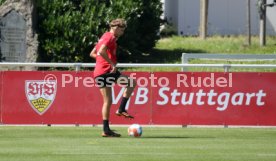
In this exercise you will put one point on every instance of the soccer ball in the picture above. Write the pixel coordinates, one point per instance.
(135, 130)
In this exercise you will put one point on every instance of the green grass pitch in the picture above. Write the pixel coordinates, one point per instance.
(42, 143)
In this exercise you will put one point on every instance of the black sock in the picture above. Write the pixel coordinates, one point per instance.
(122, 107)
(106, 125)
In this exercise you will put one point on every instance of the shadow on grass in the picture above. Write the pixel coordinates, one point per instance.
(158, 56)
(177, 137)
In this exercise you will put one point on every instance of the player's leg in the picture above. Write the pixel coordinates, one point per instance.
(107, 102)
(130, 85)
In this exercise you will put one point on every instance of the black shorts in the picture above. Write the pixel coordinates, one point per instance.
(107, 79)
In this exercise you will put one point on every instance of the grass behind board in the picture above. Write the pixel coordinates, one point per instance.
(169, 50)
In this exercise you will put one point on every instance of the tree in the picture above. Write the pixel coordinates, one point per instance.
(69, 29)
(262, 12)
(203, 18)
(2, 1)
(248, 23)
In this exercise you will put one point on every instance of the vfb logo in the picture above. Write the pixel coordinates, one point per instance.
(41, 93)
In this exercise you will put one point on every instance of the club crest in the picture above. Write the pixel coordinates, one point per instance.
(41, 94)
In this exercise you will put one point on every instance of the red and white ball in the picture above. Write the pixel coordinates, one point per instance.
(135, 130)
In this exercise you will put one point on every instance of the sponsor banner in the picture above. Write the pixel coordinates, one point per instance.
(64, 98)
(39, 98)
(178, 98)
(216, 99)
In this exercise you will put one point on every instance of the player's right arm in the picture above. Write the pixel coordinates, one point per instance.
(93, 53)
(103, 53)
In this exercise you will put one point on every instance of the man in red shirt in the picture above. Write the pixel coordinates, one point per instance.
(106, 73)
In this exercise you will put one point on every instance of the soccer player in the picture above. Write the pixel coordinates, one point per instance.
(106, 73)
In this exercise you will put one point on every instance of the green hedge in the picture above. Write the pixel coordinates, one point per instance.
(2, 1)
(69, 29)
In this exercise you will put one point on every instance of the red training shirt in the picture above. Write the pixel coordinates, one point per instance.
(102, 66)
